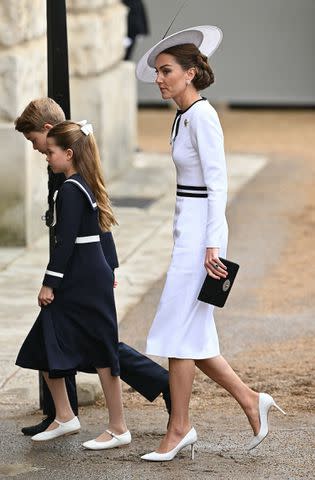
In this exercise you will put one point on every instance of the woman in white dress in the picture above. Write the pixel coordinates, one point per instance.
(183, 329)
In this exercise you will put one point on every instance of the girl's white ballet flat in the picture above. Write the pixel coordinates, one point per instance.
(66, 428)
(189, 439)
(265, 403)
(116, 441)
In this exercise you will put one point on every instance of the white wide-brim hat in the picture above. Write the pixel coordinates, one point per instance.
(206, 37)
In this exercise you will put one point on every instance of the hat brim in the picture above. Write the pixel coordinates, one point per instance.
(207, 38)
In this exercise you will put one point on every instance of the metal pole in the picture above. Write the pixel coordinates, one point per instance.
(58, 89)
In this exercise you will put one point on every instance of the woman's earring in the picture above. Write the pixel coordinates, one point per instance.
(187, 82)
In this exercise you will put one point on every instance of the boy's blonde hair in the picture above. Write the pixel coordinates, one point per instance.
(37, 113)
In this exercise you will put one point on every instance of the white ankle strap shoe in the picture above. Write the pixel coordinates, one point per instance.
(116, 441)
(66, 428)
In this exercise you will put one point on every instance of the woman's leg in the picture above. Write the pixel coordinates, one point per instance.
(221, 372)
(181, 377)
(57, 388)
(112, 391)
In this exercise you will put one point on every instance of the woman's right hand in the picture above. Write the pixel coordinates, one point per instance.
(215, 268)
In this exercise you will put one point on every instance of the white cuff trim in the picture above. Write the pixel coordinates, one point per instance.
(54, 274)
(88, 239)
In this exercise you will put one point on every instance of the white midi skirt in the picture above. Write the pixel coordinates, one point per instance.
(183, 326)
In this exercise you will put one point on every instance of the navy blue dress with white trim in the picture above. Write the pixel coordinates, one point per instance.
(78, 330)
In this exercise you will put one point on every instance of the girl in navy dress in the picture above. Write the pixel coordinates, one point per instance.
(76, 329)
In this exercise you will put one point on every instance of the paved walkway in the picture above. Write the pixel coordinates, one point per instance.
(267, 331)
(143, 241)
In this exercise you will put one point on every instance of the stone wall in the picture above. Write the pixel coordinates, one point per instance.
(102, 89)
(22, 77)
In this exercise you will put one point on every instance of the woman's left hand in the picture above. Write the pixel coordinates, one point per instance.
(215, 268)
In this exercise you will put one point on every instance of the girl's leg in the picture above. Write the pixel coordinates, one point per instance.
(181, 377)
(57, 387)
(112, 391)
(221, 372)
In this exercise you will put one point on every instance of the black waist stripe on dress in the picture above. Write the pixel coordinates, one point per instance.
(191, 191)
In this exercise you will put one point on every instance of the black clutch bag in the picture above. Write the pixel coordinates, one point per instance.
(215, 291)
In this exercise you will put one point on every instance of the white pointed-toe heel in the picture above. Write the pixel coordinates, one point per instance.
(189, 440)
(265, 403)
(116, 441)
(66, 428)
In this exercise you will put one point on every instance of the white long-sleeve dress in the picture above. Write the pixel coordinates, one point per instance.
(183, 326)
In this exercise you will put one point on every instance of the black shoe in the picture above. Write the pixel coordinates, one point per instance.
(40, 427)
(167, 399)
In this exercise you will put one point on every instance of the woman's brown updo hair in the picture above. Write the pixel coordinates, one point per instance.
(189, 56)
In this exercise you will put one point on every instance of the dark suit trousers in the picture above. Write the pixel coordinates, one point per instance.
(140, 372)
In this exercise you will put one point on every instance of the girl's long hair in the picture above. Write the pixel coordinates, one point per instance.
(86, 161)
